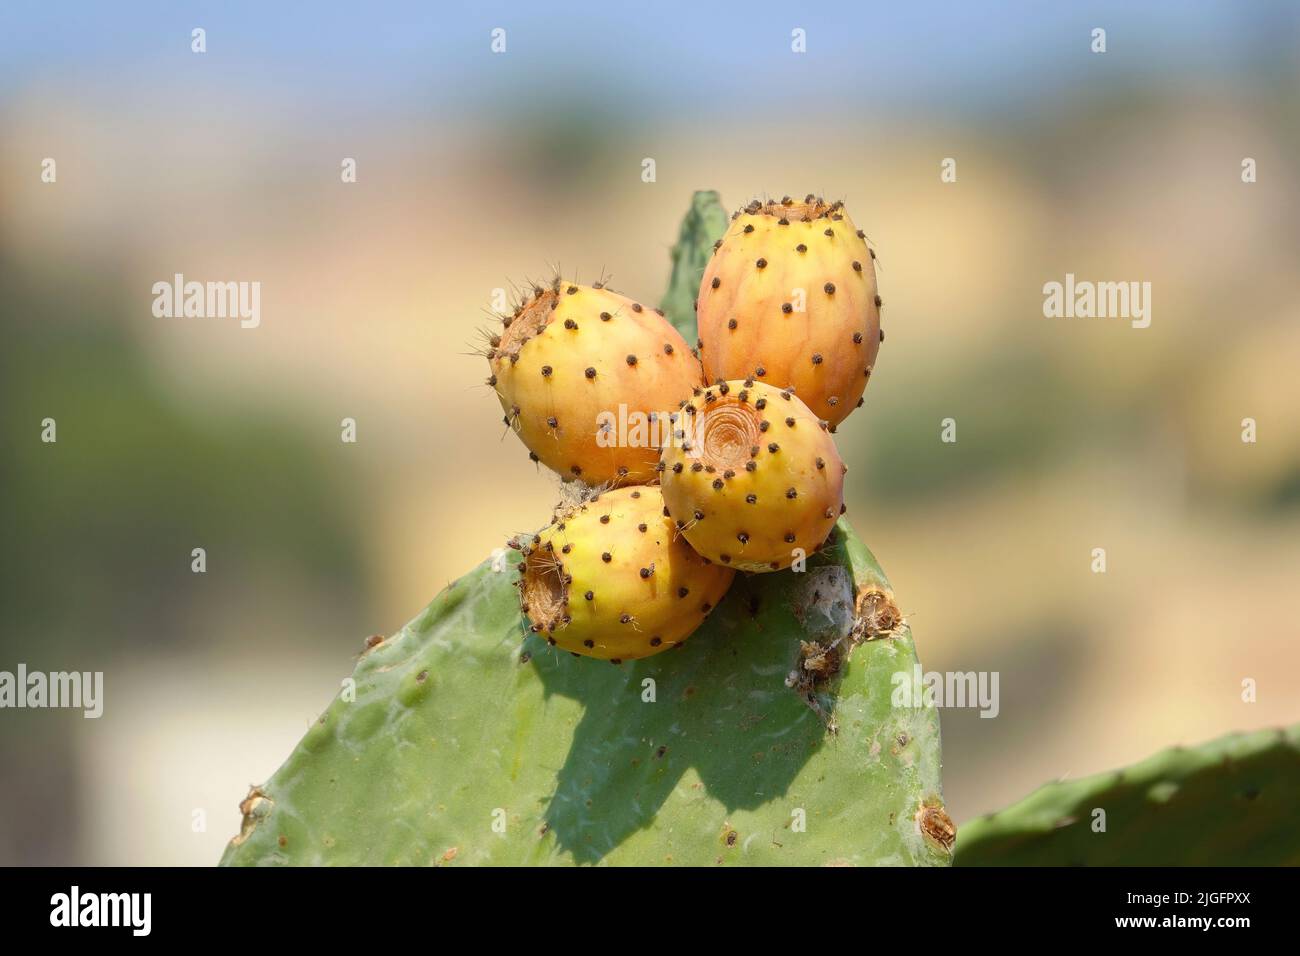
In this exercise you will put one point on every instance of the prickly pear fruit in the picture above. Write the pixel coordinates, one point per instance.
(611, 578)
(751, 475)
(790, 296)
(583, 375)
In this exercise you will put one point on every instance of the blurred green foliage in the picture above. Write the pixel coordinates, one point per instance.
(99, 526)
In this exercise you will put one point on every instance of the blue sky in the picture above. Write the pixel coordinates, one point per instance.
(661, 56)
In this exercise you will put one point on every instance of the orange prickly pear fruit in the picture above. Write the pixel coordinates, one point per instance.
(790, 297)
(584, 376)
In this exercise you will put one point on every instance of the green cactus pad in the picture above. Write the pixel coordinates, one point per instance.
(1230, 802)
(470, 741)
(702, 226)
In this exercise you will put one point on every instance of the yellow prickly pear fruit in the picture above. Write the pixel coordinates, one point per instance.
(790, 297)
(587, 378)
(611, 578)
(752, 478)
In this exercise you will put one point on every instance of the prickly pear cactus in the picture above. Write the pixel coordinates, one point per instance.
(702, 226)
(1230, 802)
(768, 738)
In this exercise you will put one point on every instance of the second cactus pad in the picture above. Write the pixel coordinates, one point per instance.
(1228, 802)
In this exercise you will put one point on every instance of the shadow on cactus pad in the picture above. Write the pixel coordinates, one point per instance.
(468, 743)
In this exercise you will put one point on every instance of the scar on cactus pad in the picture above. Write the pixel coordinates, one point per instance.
(568, 357)
(791, 290)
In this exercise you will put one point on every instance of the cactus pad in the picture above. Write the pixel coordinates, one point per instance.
(768, 738)
(703, 225)
(1230, 802)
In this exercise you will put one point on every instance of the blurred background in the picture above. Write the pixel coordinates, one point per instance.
(475, 170)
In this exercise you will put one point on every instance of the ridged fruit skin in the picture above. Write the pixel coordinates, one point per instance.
(574, 352)
(751, 475)
(749, 323)
(611, 578)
